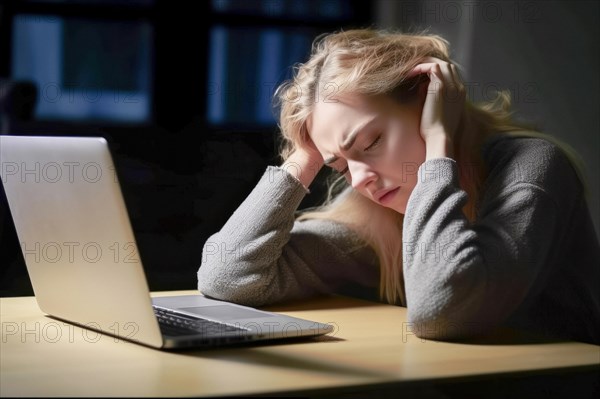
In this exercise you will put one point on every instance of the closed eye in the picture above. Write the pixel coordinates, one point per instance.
(374, 143)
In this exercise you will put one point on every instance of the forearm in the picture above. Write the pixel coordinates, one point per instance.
(239, 261)
(470, 277)
(262, 256)
(434, 247)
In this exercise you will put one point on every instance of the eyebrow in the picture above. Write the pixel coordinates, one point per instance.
(348, 142)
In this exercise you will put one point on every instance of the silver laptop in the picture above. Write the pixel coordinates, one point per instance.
(83, 261)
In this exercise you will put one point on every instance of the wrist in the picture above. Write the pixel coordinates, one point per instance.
(438, 146)
(303, 167)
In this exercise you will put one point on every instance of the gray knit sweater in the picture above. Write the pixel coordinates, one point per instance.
(531, 260)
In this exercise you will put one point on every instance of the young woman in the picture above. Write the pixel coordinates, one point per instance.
(449, 208)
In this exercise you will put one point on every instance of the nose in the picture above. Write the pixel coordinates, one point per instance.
(361, 174)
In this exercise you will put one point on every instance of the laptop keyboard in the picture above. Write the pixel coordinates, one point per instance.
(176, 324)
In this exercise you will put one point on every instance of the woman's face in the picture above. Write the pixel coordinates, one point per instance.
(374, 141)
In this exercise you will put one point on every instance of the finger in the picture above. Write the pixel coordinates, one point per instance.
(430, 60)
(456, 74)
(426, 67)
(421, 68)
(435, 74)
(447, 75)
(460, 87)
(436, 84)
(443, 71)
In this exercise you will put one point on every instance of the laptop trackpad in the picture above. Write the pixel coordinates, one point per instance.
(225, 312)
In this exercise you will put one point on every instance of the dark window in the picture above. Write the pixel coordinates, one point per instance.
(156, 62)
(85, 70)
(241, 91)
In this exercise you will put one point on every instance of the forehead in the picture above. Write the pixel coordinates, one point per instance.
(334, 118)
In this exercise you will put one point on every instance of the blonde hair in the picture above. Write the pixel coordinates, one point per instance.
(372, 62)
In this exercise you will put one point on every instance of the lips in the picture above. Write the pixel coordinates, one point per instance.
(385, 195)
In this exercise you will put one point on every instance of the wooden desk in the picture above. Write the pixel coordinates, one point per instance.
(370, 349)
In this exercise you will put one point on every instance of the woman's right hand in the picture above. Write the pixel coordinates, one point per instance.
(304, 163)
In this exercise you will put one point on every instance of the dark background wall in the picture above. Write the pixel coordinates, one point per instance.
(545, 52)
(184, 168)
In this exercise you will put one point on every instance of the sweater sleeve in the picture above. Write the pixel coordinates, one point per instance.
(262, 255)
(462, 278)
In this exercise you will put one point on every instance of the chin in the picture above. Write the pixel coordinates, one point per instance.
(400, 208)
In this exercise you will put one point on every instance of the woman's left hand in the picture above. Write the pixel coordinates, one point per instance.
(444, 105)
